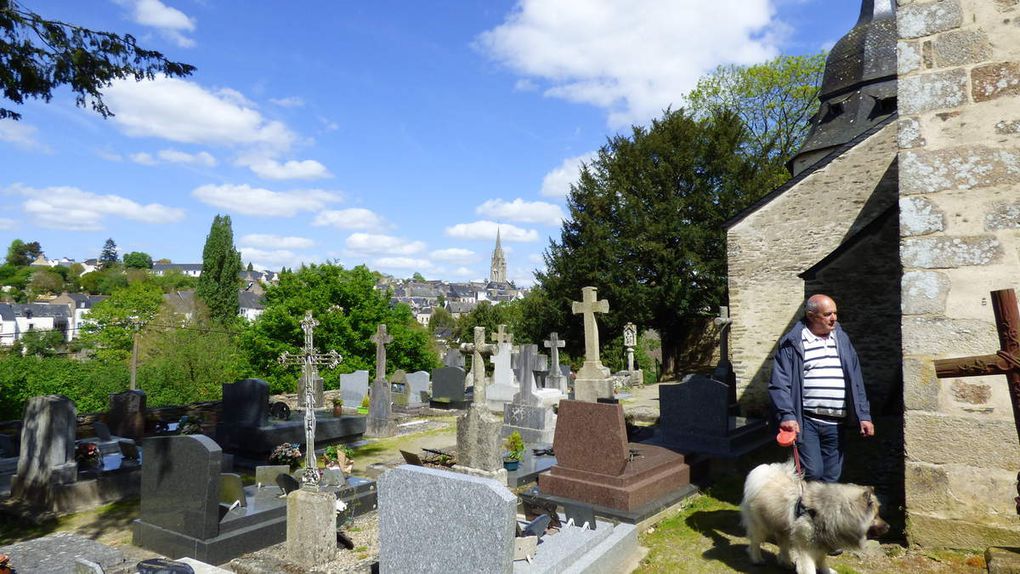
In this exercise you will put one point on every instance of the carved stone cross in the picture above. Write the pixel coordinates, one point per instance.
(381, 339)
(555, 377)
(478, 348)
(589, 305)
(308, 359)
(1005, 362)
(501, 336)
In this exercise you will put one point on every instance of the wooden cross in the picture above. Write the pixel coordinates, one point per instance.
(1005, 362)
(478, 348)
(381, 339)
(308, 359)
(589, 305)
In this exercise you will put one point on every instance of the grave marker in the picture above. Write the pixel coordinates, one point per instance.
(380, 423)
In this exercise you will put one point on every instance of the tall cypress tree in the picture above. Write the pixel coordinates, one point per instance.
(221, 264)
(108, 257)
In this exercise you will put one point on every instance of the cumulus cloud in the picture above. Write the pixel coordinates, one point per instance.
(171, 22)
(277, 241)
(485, 229)
(288, 102)
(182, 111)
(70, 208)
(353, 218)
(258, 201)
(378, 244)
(7, 224)
(403, 263)
(176, 156)
(463, 272)
(522, 211)
(272, 258)
(454, 255)
(21, 135)
(631, 58)
(557, 182)
(293, 169)
(142, 158)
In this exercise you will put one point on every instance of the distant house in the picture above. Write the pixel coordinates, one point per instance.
(40, 317)
(250, 305)
(8, 325)
(79, 305)
(189, 269)
(183, 303)
(458, 308)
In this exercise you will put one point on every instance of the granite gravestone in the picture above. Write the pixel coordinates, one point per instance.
(399, 388)
(479, 448)
(556, 378)
(126, 416)
(380, 414)
(245, 403)
(453, 358)
(694, 418)
(354, 388)
(434, 521)
(418, 382)
(504, 384)
(529, 364)
(448, 387)
(47, 449)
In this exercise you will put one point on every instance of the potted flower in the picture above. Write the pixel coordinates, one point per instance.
(363, 409)
(514, 446)
(87, 455)
(287, 453)
(338, 406)
(339, 456)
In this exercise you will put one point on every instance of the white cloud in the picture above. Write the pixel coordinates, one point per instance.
(21, 135)
(403, 263)
(306, 169)
(272, 258)
(109, 155)
(487, 230)
(277, 241)
(463, 272)
(536, 258)
(353, 218)
(372, 243)
(288, 102)
(258, 201)
(142, 158)
(631, 58)
(455, 255)
(7, 224)
(522, 211)
(171, 22)
(557, 182)
(70, 208)
(182, 111)
(176, 156)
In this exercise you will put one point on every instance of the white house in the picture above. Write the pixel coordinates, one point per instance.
(8, 326)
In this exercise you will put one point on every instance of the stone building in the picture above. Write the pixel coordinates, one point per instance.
(908, 218)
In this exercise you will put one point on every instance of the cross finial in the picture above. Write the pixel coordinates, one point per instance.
(381, 339)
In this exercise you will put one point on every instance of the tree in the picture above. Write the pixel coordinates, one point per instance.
(418, 277)
(441, 319)
(42, 343)
(46, 281)
(221, 264)
(39, 55)
(137, 260)
(250, 267)
(21, 253)
(108, 257)
(112, 322)
(490, 316)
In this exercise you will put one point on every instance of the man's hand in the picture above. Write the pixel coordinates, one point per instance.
(790, 426)
(867, 428)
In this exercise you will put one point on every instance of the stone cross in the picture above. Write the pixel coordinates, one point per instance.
(555, 377)
(1005, 362)
(501, 336)
(381, 339)
(630, 341)
(589, 305)
(724, 370)
(308, 359)
(478, 348)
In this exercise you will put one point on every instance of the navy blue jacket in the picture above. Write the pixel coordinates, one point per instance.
(786, 386)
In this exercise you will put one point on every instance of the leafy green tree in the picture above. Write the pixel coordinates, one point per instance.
(418, 277)
(112, 322)
(41, 55)
(221, 264)
(173, 280)
(348, 308)
(21, 253)
(46, 281)
(441, 319)
(42, 343)
(490, 316)
(137, 260)
(15, 275)
(250, 267)
(108, 257)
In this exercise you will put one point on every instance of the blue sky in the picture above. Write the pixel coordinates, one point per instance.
(396, 134)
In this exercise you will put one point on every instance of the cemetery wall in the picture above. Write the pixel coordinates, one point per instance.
(959, 158)
(772, 246)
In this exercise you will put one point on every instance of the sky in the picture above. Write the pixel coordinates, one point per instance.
(400, 135)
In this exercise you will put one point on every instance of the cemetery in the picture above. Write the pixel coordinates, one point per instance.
(605, 420)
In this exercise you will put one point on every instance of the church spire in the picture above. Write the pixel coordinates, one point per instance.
(497, 272)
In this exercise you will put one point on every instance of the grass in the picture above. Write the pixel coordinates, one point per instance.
(109, 524)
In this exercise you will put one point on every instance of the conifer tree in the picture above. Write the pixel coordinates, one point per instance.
(108, 257)
(221, 264)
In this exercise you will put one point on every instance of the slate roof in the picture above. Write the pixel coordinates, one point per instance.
(40, 310)
(249, 300)
(6, 312)
(177, 266)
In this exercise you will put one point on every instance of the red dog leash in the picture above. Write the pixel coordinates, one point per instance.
(788, 439)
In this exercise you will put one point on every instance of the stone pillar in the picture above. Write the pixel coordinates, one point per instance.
(311, 527)
(126, 416)
(47, 448)
(959, 164)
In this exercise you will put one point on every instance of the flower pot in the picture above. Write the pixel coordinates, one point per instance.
(338, 410)
(362, 410)
(511, 465)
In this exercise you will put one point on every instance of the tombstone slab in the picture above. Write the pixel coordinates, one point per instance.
(47, 449)
(478, 441)
(477, 517)
(399, 388)
(311, 527)
(246, 403)
(694, 418)
(448, 387)
(504, 381)
(354, 387)
(380, 413)
(420, 384)
(126, 416)
(536, 425)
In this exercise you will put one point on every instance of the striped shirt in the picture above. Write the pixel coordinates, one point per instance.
(824, 384)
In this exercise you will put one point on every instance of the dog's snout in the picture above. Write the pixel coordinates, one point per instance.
(878, 528)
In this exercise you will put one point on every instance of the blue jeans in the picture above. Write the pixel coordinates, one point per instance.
(821, 450)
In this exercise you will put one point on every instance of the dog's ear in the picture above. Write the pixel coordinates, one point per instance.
(871, 489)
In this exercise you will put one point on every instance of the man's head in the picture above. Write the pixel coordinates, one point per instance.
(820, 314)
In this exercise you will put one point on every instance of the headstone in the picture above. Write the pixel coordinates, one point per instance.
(592, 382)
(317, 390)
(180, 485)
(232, 490)
(478, 349)
(380, 414)
(126, 416)
(47, 449)
(536, 424)
(504, 384)
(418, 383)
(479, 446)
(453, 358)
(399, 388)
(311, 527)
(246, 403)
(556, 378)
(694, 418)
(354, 388)
(434, 521)
(448, 386)
(265, 475)
(530, 364)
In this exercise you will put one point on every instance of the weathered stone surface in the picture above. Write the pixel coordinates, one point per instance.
(47, 448)
(909, 134)
(962, 492)
(926, 335)
(924, 292)
(1003, 215)
(434, 521)
(924, 19)
(920, 216)
(948, 252)
(908, 57)
(478, 442)
(926, 171)
(311, 527)
(1006, 5)
(970, 393)
(1005, 128)
(920, 385)
(56, 554)
(934, 438)
(960, 47)
(932, 91)
(936, 531)
(1002, 560)
(995, 81)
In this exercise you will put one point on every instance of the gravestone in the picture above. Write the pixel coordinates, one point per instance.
(448, 387)
(530, 364)
(317, 390)
(596, 465)
(592, 382)
(479, 449)
(556, 379)
(504, 383)
(453, 358)
(399, 388)
(724, 370)
(354, 387)
(126, 416)
(418, 383)
(434, 521)
(245, 403)
(311, 527)
(380, 414)
(47, 449)
(265, 475)
(694, 418)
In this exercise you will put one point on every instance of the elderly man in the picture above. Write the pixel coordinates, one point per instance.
(817, 389)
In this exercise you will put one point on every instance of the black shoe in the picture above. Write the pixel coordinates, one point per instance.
(836, 552)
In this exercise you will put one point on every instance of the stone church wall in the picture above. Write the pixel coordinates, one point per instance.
(959, 170)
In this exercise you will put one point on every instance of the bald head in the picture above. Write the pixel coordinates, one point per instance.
(820, 314)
